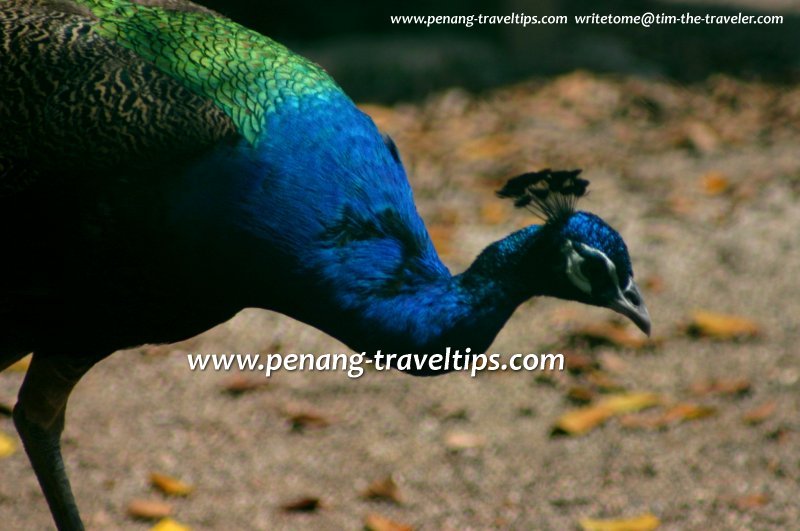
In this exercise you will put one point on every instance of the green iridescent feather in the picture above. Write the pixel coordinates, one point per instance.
(245, 73)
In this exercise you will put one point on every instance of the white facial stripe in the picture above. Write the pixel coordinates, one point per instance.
(610, 267)
(574, 261)
(628, 287)
(574, 273)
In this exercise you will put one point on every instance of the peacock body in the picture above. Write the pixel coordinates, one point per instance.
(162, 167)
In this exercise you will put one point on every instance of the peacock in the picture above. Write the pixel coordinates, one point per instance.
(162, 168)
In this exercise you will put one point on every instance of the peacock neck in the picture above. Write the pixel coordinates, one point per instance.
(428, 312)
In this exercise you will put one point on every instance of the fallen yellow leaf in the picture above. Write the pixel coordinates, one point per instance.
(20, 365)
(383, 489)
(149, 509)
(240, 384)
(674, 414)
(715, 183)
(687, 411)
(376, 522)
(168, 524)
(300, 420)
(760, 414)
(612, 333)
(723, 386)
(645, 522)
(7, 445)
(630, 402)
(462, 440)
(305, 504)
(169, 485)
(722, 326)
(752, 501)
(582, 420)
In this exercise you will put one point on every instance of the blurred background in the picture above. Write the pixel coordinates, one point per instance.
(690, 136)
(376, 61)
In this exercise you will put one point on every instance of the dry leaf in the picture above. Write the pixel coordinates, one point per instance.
(7, 445)
(721, 326)
(240, 384)
(751, 501)
(376, 522)
(687, 411)
(731, 386)
(645, 522)
(461, 440)
(306, 504)
(579, 394)
(611, 333)
(168, 524)
(20, 365)
(149, 509)
(715, 183)
(674, 414)
(760, 414)
(383, 489)
(582, 420)
(170, 485)
(629, 402)
(301, 420)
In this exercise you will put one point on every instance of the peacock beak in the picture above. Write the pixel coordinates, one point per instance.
(629, 302)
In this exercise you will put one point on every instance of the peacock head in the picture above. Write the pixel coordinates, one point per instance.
(590, 261)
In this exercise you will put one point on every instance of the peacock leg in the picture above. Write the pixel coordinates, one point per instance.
(39, 418)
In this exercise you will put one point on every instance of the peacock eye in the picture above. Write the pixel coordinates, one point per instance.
(593, 269)
(597, 272)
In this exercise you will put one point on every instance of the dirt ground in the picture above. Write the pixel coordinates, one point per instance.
(702, 181)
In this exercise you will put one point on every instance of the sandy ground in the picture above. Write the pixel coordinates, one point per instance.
(703, 183)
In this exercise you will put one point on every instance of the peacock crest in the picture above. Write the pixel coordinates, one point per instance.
(549, 194)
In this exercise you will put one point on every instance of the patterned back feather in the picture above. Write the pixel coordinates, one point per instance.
(72, 101)
(247, 74)
(87, 85)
